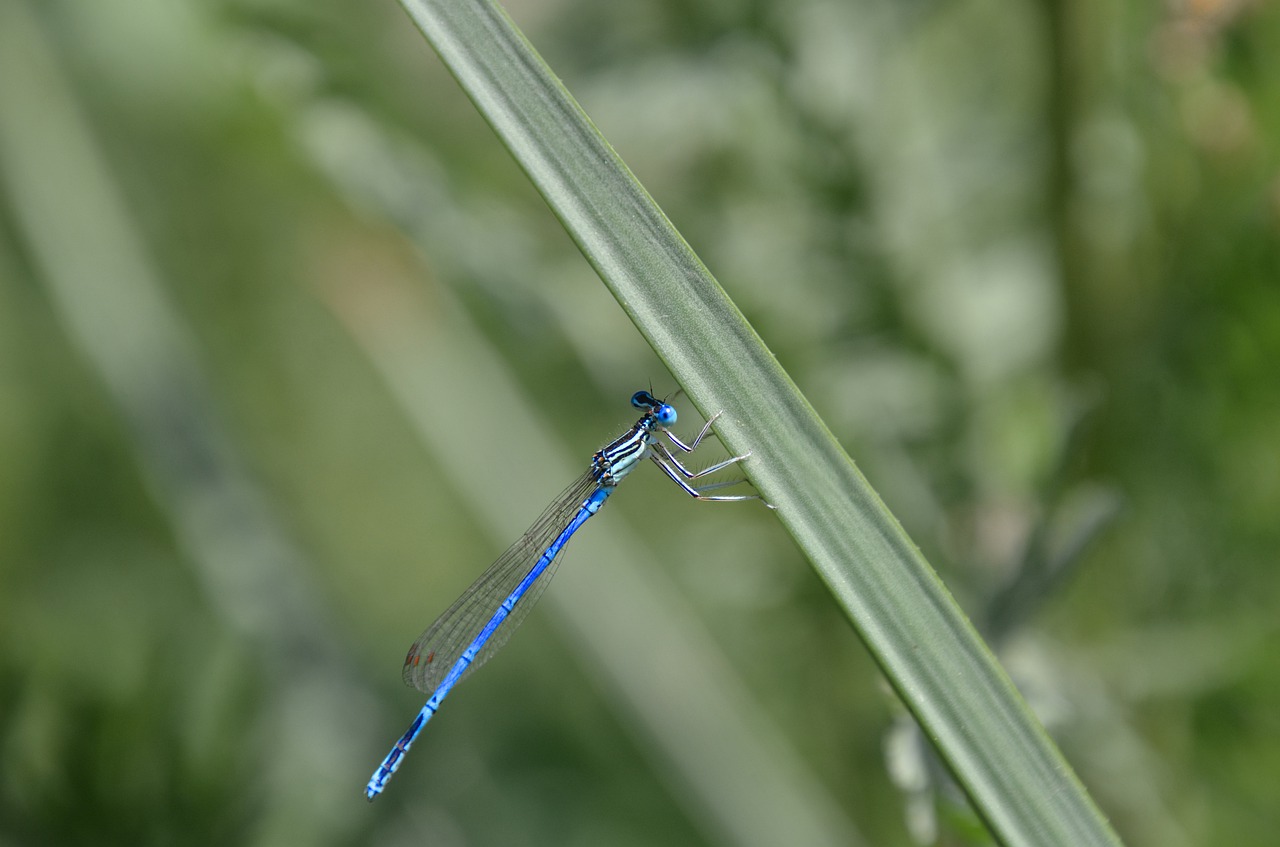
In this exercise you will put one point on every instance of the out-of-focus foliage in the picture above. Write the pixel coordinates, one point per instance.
(1025, 260)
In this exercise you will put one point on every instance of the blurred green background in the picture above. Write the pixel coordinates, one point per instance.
(265, 276)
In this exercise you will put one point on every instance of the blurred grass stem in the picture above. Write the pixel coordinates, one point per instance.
(109, 297)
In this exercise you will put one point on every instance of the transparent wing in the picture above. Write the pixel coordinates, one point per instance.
(440, 646)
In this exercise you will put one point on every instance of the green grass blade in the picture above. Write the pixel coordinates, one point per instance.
(966, 704)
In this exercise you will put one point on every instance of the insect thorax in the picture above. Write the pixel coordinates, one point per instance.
(613, 462)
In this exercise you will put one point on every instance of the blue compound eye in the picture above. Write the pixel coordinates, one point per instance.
(665, 415)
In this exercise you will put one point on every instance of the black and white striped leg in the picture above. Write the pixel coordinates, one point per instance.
(689, 448)
(661, 448)
(712, 486)
(681, 481)
(671, 466)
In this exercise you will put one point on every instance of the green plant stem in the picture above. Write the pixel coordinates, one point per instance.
(1015, 776)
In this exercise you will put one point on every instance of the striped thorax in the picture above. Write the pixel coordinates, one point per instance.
(611, 464)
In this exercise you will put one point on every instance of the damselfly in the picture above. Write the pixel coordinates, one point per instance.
(480, 621)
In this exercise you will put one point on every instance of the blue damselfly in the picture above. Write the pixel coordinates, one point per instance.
(480, 621)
